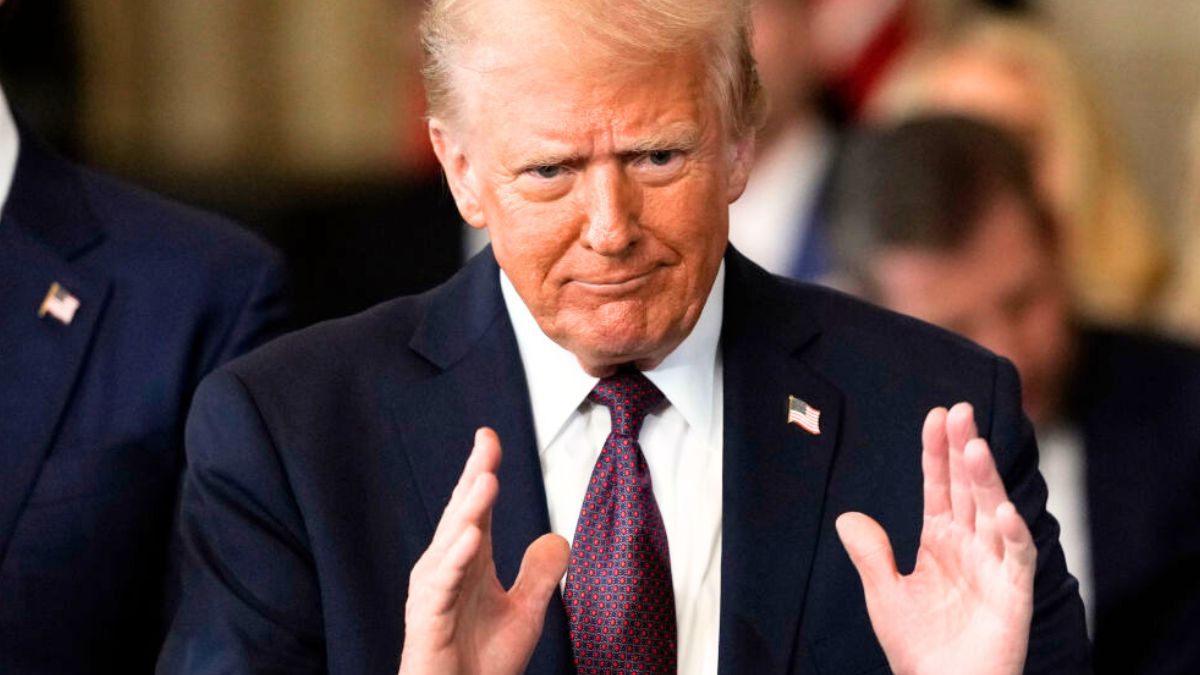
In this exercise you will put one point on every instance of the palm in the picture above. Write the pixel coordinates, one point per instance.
(459, 619)
(967, 605)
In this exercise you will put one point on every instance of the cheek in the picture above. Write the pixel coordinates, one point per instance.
(1048, 327)
(528, 237)
(688, 217)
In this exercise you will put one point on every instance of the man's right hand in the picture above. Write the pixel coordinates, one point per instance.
(459, 620)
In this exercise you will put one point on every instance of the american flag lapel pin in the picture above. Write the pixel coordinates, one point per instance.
(60, 304)
(804, 416)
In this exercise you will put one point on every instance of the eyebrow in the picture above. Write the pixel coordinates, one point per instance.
(684, 137)
(678, 137)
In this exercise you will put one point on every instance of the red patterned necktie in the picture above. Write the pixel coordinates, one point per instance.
(618, 592)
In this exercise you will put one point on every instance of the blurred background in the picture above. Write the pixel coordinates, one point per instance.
(302, 118)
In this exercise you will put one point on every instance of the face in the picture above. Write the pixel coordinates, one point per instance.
(605, 191)
(1001, 290)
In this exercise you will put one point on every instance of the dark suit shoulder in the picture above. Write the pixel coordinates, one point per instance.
(1124, 375)
(330, 355)
(1121, 352)
(166, 231)
(853, 331)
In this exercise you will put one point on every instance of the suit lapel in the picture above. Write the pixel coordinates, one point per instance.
(775, 473)
(45, 227)
(467, 335)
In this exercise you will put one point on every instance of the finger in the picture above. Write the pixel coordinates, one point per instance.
(935, 463)
(543, 566)
(869, 550)
(484, 460)
(987, 489)
(447, 582)
(474, 510)
(470, 523)
(960, 428)
(1020, 553)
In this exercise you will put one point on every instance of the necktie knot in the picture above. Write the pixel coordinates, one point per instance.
(629, 397)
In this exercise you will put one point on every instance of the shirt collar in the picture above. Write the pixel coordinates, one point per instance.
(9, 147)
(558, 384)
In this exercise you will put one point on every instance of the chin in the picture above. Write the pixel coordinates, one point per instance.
(603, 352)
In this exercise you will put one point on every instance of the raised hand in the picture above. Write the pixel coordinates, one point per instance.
(459, 620)
(967, 605)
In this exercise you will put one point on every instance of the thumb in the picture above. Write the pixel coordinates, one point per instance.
(869, 549)
(545, 562)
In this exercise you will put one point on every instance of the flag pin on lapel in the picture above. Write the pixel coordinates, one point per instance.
(60, 304)
(804, 416)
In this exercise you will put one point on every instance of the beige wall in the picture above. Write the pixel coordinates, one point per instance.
(1144, 56)
(310, 88)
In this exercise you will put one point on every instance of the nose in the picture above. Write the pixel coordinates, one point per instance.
(612, 211)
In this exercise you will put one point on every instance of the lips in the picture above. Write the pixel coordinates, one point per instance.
(615, 283)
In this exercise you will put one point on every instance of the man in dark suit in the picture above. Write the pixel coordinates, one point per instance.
(332, 527)
(114, 305)
(938, 218)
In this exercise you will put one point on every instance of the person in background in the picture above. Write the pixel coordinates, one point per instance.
(938, 217)
(114, 303)
(1007, 71)
(708, 435)
(776, 222)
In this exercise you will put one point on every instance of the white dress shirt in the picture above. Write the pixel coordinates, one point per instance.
(682, 444)
(9, 148)
(1063, 465)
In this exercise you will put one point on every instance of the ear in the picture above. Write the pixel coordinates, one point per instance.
(742, 159)
(449, 146)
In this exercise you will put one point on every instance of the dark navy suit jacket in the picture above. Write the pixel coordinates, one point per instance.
(320, 464)
(92, 412)
(1134, 399)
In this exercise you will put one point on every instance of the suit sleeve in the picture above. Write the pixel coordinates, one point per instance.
(1058, 636)
(251, 601)
(260, 315)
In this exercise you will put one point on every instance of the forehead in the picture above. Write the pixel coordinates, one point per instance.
(542, 90)
(1001, 257)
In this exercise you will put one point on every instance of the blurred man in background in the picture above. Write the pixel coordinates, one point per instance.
(939, 218)
(776, 222)
(113, 305)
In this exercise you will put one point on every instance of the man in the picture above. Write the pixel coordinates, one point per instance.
(776, 222)
(600, 143)
(939, 218)
(115, 304)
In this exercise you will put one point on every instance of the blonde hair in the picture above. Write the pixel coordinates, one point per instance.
(1115, 254)
(631, 32)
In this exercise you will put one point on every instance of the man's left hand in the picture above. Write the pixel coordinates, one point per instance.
(967, 605)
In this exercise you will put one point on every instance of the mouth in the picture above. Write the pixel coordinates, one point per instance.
(615, 284)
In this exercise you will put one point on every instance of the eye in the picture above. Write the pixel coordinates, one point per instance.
(661, 157)
(548, 171)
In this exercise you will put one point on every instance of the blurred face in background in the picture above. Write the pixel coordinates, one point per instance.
(783, 50)
(1001, 288)
(604, 187)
